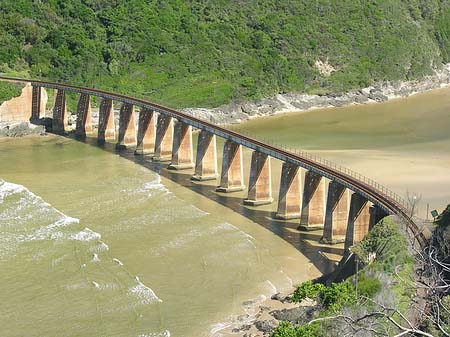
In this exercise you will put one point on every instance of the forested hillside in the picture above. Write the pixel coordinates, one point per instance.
(208, 52)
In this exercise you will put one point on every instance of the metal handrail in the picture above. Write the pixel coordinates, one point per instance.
(336, 167)
(376, 193)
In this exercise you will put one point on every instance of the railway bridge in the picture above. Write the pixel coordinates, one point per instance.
(346, 210)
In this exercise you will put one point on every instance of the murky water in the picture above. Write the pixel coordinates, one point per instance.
(403, 144)
(94, 243)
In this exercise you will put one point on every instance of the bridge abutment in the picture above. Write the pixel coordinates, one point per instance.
(260, 182)
(336, 215)
(164, 138)
(146, 132)
(289, 201)
(60, 118)
(84, 118)
(106, 128)
(127, 129)
(232, 175)
(358, 220)
(182, 157)
(206, 158)
(313, 203)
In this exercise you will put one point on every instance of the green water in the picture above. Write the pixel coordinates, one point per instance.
(95, 243)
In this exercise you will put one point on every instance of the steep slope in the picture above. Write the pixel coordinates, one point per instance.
(208, 52)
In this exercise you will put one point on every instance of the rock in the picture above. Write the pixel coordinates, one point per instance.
(301, 105)
(295, 315)
(245, 327)
(21, 129)
(278, 297)
(249, 108)
(360, 99)
(238, 111)
(266, 326)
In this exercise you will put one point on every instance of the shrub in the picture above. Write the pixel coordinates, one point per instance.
(286, 329)
(338, 295)
(307, 290)
(368, 286)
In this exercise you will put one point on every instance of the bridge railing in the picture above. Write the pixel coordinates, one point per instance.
(344, 170)
(324, 162)
(300, 153)
(334, 166)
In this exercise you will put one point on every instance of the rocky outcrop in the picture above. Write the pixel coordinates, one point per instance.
(237, 112)
(20, 129)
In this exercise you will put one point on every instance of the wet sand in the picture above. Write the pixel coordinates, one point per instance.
(403, 144)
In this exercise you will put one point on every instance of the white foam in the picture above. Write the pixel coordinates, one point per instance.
(251, 309)
(101, 247)
(95, 258)
(230, 226)
(165, 333)
(152, 186)
(7, 189)
(145, 294)
(118, 261)
(49, 232)
(199, 211)
(96, 285)
(86, 235)
(273, 289)
(58, 260)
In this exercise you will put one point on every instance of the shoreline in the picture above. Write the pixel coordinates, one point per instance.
(240, 111)
(262, 317)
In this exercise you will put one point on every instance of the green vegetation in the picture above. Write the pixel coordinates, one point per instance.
(208, 52)
(332, 298)
(9, 90)
(385, 280)
(286, 329)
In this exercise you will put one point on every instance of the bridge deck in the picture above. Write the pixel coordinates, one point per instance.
(374, 192)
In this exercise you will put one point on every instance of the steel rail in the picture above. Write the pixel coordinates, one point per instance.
(374, 192)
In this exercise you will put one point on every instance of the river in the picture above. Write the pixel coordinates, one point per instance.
(96, 243)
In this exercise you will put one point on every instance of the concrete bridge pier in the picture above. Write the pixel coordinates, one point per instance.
(206, 158)
(336, 215)
(127, 129)
(358, 220)
(146, 132)
(37, 104)
(106, 128)
(260, 182)
(313, 204)
(182, 156)
(232, 175)
(84, 118)
(60, 118)
(376, 214)
(289, 201)
(164, 138)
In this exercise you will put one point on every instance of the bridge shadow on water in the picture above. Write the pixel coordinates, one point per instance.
(323, 257)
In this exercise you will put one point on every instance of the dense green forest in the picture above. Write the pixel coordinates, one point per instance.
(208, 52)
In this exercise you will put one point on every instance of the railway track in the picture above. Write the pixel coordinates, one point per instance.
(374, 192)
